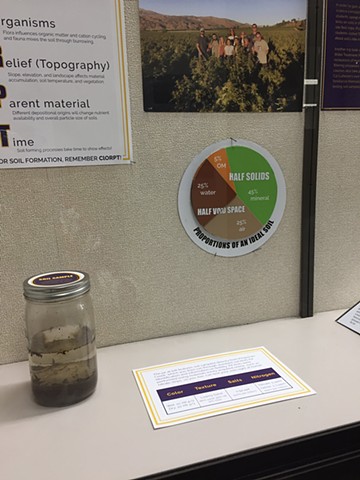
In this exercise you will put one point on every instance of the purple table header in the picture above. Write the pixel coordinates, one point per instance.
(213, 384)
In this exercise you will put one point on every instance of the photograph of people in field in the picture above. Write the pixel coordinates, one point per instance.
(229, 56)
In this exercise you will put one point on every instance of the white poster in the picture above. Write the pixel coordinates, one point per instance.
(63, 84)
(351, 318)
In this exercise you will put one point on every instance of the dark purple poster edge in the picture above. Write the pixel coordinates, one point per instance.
(326, 53)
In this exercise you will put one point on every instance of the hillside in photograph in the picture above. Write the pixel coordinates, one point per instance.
(158, 22)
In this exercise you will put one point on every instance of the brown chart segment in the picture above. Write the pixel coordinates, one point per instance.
(209, 191)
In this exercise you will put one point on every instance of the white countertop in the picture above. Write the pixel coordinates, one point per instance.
(110, 435)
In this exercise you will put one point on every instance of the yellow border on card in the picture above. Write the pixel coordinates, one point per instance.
(122, 74)
(285, 369)
(152, 407)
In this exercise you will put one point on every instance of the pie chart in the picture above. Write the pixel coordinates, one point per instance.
(232, 197)
(233, 193)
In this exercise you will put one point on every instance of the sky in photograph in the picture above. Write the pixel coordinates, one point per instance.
(262, 12)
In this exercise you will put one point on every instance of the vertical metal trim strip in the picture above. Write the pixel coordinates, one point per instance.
(310, 155)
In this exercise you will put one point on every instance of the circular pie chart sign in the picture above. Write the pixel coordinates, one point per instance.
(232, 198)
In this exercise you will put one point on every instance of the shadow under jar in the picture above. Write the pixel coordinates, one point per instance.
(60, 330)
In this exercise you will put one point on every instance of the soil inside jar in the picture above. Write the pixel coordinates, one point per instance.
(63, 365)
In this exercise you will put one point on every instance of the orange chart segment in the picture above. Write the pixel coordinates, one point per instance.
(219, 160)
(209, 193)
(234, 222)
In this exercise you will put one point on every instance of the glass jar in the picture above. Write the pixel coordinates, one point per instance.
(60, 330)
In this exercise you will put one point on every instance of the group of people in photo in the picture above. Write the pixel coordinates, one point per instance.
(230, 46)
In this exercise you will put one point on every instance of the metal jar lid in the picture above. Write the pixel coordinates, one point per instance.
(56, 285)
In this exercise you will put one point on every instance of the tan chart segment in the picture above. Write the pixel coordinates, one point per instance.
(235, 222)
(209, 192)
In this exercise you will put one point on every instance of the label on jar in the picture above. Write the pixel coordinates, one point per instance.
(55, 278)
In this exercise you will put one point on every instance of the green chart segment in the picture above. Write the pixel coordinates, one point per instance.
(234, 193)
